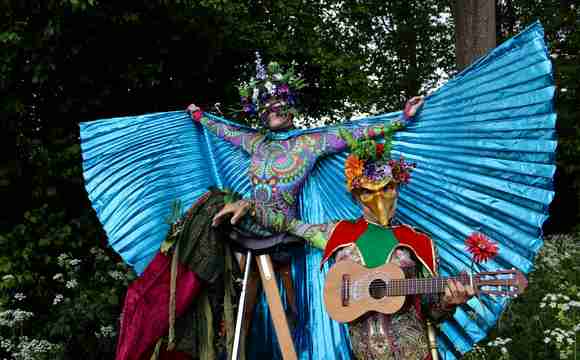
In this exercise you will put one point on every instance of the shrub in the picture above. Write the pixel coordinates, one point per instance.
(544, 323)
(60, 297)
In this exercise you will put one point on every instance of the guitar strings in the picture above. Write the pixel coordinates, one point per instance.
(397, 285)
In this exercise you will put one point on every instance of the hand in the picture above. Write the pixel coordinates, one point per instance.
(413, 105)
(192, 108)
(456, 293)
(237, 209)
(194, 111)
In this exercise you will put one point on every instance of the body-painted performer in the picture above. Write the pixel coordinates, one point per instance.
(280, 167)
(373, 181)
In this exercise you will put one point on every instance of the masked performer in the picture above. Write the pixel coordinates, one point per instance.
(373, 180)
(279, 167)
(484, 147)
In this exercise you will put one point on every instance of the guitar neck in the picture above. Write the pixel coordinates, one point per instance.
(403, 287)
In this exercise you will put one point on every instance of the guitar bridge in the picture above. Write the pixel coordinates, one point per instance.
(345, 289)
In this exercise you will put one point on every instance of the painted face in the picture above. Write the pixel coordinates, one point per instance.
(379, 201)
(277, 119)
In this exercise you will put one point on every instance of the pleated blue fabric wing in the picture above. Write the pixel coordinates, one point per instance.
(135, 167)
(484, 147)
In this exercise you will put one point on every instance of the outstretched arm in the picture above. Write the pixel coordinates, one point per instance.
(236, 135)
(332, 142)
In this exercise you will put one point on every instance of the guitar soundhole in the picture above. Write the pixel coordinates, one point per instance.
(378, 289)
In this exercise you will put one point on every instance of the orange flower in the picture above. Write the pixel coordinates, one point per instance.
(353, 167)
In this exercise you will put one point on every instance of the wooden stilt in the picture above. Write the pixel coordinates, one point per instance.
(275, 304)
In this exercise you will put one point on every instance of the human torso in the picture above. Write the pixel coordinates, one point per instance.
(401, 335)
(279, 168)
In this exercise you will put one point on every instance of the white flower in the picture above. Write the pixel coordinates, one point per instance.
(117, 275)
(105, 332)
(504, 350)
(74, 262)
(62, 260)
(6, 344)
(31, 349)
(19, 296)
(546, 340)
(8, 277)
(71, 284)
(57, 299)
(10, 318)
(268, 85)
(58, 277)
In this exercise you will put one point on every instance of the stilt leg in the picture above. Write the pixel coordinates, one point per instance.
(241, 306)
(275, 304)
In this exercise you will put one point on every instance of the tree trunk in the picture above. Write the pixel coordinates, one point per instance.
(474, 29)
(404, 17)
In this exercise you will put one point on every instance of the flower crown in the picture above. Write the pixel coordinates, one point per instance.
(369, 165)
(270, 84)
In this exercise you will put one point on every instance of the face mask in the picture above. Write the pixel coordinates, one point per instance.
(380, 202)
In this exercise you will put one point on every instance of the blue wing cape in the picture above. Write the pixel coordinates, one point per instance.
(483, 143)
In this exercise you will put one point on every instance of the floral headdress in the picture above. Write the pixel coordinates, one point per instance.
(271, 90)
(369, 165)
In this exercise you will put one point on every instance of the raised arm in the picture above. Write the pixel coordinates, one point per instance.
(332, 142)
(236, 135)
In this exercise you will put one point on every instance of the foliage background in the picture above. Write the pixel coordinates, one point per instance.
(66, 61)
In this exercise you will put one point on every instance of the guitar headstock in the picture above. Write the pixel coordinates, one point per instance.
(500, 283)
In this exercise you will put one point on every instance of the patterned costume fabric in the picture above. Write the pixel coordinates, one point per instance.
(144, 318)
(402, 335)
(279, 168)
(484, 144)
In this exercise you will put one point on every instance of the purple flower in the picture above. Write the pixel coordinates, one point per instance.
(249, 108)
(283, 89)
(386, 171)
(264, 96)
(260, 69)
(375, 172)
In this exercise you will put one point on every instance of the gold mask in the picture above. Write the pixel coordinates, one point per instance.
(380, 199)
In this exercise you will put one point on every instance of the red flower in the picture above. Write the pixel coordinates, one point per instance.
(380, 148)
(197, 115)
(481, 248)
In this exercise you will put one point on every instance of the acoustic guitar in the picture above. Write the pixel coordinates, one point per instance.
(351, 290)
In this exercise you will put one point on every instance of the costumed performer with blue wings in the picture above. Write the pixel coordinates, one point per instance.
(279, 168)
(484, 147)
